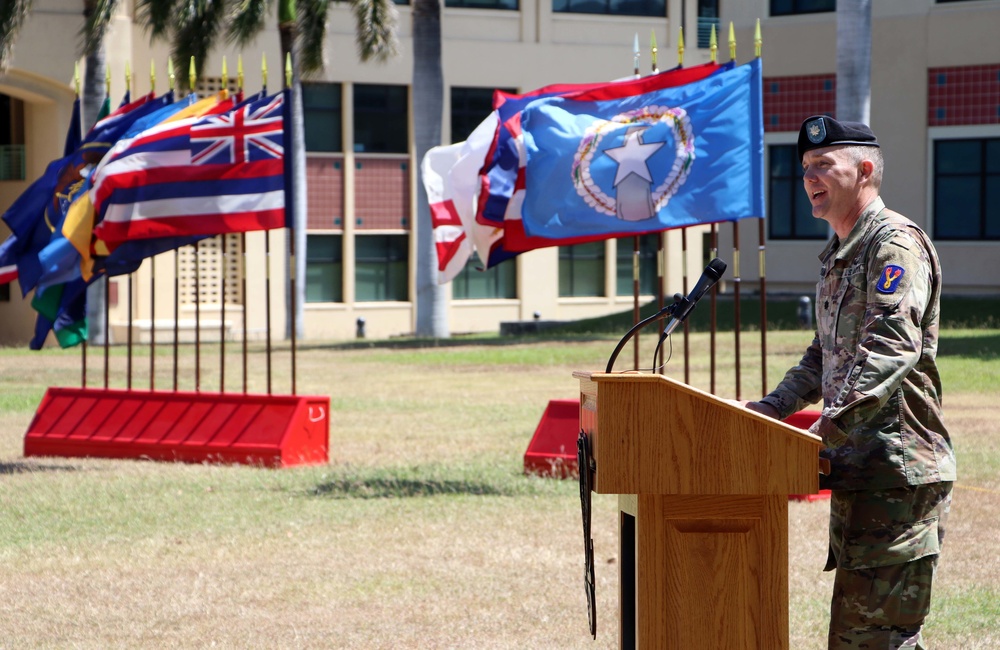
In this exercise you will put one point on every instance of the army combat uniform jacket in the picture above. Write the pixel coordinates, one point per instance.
(872, 361)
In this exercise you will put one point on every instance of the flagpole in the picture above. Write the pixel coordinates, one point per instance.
(635, 248)
(107, 278)
(128, 302)
(737, 280)
(267, 273)
(83, 344)
(684, 247)
(222, 278)
(758, 43)
(152, 273)
(713, 253)
(292, 235)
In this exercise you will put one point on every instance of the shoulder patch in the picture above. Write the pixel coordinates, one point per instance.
(889, 279)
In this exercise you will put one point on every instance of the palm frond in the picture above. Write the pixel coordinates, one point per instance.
(156, 16)
(98, 15)
(247, 20)
(312, 33)
(376, 28)
(12, 15)
(196, 27)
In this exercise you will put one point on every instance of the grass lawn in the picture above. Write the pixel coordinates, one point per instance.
(422, 531)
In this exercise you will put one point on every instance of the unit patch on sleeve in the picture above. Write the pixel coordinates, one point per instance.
(889, 280)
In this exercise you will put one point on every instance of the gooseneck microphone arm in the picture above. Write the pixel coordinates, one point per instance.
(678, 310)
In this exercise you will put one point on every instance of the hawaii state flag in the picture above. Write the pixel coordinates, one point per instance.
(217, 174)
(663, 159)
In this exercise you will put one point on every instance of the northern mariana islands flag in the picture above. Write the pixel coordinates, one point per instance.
(665, 159)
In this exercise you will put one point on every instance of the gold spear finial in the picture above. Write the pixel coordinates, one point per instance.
(732, 42)
(107, 81)
(192, 75)
(128, 78)
(152, 75)
(713, 46)
(680, 46)
(263, 69)
(76, 77)
(170, 73)
(239, 71)
(757, 40)
(225, 73)
(652, 49)
(288, 70)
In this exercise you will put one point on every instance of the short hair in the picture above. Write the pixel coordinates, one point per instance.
(858, 153)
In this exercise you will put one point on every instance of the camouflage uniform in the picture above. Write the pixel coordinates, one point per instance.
(872, 363)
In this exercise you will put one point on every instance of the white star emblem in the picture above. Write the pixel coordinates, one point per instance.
(632, 156)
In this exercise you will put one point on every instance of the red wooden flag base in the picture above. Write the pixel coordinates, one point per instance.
(265, 430)
(552, 450)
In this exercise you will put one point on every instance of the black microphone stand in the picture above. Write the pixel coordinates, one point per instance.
(669, 310)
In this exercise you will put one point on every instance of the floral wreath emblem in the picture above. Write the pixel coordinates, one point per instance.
(679, 122)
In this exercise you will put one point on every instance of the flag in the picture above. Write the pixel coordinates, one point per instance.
(8, 260)
(218, 174)
(668, 158)
(453, 244)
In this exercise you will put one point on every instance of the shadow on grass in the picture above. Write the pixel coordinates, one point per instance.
(986, 348)
(400, 488)
(26, 468)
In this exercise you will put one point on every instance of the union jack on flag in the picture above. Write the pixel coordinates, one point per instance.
(249, 133)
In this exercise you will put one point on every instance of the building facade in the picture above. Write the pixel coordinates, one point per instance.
(935, 108)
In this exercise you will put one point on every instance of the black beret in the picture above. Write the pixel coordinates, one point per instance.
(824, 131)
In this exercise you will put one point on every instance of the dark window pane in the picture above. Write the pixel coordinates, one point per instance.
(322, 112)
(789, 210)
(958, 157)
(581, 270)
(955, 200)
(469, 107)
(992, 207)
(648, 250)
(380, 119)
(613, 7)
(482, 4)
(993, 156)
(789, 7)
(324, 269)
(781, 209)
(497, 282)
(380, 267)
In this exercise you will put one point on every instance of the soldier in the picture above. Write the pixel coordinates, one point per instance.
(872, 362)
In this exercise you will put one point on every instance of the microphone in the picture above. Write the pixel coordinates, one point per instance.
(682, 306)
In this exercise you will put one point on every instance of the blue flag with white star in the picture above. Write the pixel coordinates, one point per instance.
(665, 159)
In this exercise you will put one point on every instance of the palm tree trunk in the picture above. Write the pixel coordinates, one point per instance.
(295, 308)
(854, 55)
(428, 101)
(91, 101)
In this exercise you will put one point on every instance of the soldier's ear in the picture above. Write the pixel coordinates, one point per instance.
(866, 168)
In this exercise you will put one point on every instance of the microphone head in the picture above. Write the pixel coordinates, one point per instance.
(715, 269)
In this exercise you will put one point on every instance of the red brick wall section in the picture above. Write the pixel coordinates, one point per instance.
(325, 182)
(965, 95)
(382, 194)
(789, 100)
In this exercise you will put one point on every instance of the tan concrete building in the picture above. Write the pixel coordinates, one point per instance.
(930, 61)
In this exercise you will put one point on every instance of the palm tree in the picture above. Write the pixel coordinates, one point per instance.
(12, 16)
(194, 27)
(854, 56)
(428, 98)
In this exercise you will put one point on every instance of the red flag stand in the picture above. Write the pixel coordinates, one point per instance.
(263, 430)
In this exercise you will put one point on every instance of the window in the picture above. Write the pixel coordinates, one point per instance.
(211, 271)
(708, 17)
(613, 7)
(649, 248)
(497, 282)
(789, 213)
(381, 122)
(325, 268)
(483, 4)
(11, 139)
(322, 115)
(790, 7)
(380, 267)
(581, 270)
(967, 189)
(469, 107)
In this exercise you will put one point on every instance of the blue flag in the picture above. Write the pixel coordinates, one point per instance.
(665, 159)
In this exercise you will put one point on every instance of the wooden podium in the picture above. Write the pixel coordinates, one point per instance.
(703, 489)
